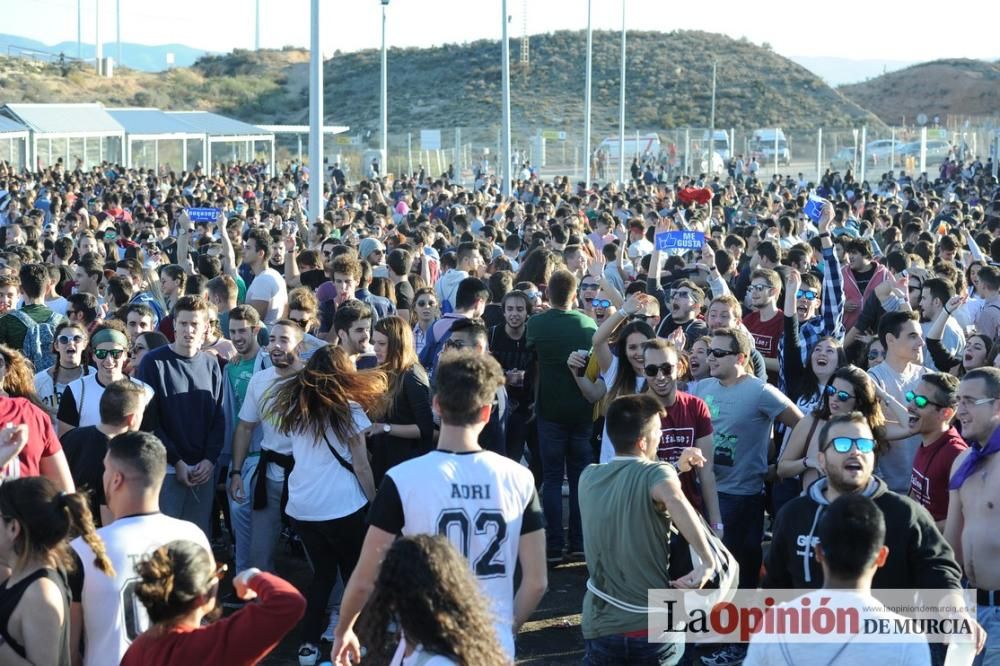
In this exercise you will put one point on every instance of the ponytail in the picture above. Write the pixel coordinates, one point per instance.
(81, 522)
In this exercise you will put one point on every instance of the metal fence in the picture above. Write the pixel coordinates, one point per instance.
(867, 151)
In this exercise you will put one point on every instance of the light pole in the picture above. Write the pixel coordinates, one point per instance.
(586, 99)
(621, 112)
(711, 123)
(118, 31)
(256, 29)
(79, 29)
(385, 98)
(316, 172)
(505, 55)
(99, 52)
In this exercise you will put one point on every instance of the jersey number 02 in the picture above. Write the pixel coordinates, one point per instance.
(454, 524)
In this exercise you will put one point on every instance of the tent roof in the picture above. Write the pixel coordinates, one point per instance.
(212, 124)
(64, 118)
(8, 126)
(151, 122)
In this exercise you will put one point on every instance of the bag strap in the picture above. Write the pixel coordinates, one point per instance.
(343, 463)
(28, 322)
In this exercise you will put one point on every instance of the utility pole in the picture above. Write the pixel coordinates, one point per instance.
(621, 112)
(586, 98)
(505, 55)
(256, 31)
(317, 174)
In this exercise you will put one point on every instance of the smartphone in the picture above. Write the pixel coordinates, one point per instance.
(110, 236)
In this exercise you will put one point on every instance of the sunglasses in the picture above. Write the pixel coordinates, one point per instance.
(722, 353)
(588, 286)
(66, 339)
(644, 318)
(807, 294)
(760, 287)
(843, 396)
(452, 343)
(921, 401)
(426, 304)
(844, 444)
(600, 303)
(103, 353)
(874, 354)
(653, 370)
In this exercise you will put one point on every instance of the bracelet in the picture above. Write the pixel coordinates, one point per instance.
(235, 472)
(947, 310)
(805, 463)
(825, 234)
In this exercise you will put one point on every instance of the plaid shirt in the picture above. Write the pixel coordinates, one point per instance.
(829, 323)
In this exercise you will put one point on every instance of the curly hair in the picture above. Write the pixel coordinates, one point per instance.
(865, 401)
(426, 583)
(19, 379)
(320, 395)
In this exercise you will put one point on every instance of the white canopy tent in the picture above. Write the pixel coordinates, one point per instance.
(154, 139)
(228, 139)
(72, 132)
(13, 142)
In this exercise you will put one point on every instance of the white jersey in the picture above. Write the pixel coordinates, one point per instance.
(50, 393)
(112, 615)
(482, 502)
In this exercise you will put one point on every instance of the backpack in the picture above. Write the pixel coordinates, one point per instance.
(432, 348)
(38, 339)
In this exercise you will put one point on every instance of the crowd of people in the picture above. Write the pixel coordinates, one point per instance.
(433, 387)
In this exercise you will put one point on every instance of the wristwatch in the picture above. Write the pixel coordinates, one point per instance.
(386, 428)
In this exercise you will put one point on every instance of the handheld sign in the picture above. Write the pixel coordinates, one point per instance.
(813, 208)
(203, 214)
(680, 240)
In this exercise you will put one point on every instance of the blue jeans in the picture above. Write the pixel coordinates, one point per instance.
(191, 503)
(618, 650)
(565, 451)
(989, 618)
(239, 516)
(743, 524)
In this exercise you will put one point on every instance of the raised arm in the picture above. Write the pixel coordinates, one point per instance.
(228, 255)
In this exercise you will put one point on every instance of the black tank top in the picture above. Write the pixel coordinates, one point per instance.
(10, 597)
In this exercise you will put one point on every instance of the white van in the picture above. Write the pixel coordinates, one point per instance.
(721, 143)
(646, 145)
(762, 145)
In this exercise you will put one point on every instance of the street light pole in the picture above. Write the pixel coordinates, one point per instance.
(711, 123)
(316, 171)
(118, 30)
(586, 98)
(385, 99)
(621, 112)
(505, 54)
(256, 28)
(99, 52)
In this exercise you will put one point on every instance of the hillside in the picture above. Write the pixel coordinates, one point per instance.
(668, 85)
(135, 56)
(938, 88)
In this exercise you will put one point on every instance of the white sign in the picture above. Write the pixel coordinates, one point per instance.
(430, 139)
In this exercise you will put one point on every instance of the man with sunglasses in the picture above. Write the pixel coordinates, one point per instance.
(931, 408)
(744, 410)
(919, 556)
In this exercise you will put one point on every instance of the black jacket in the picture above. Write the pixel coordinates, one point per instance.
(919, 556)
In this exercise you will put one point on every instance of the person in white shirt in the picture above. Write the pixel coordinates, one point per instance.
(485, 503)
(851, 549)
(268, 293)
(69, 344)
(105, 615)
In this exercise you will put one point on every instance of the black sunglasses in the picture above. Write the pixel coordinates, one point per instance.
(922, 401)
(652, 370)
(103, 353)
(722, 353)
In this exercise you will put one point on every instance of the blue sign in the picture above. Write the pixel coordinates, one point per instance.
(203, 214)
(680, 240)
(813, 209)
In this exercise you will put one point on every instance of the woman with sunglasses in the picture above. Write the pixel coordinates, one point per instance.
(143, 343)
(977, 346)
(425, 313)
(408, 430)
(68, 345)
(37, 522)
(80, 404)
(178, 585)
(850, 389)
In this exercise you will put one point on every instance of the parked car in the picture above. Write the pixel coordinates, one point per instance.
(937, 150)
(878, 152)
(843, 159)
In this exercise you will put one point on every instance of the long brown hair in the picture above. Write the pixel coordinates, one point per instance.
(19, 379)
(400, 356)
(428, 586)
(319, 395)
(48, 518)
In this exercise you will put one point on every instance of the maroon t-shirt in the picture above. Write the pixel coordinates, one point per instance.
(42, 440)
(685, 422)
(766, 335)
(931, 471)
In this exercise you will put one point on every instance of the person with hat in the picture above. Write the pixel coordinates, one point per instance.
(372, 250)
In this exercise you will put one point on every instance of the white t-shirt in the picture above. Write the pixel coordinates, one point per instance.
(895, 467)
(50, 395)
(112, 615)
(86, 393)
(253, 410)
(319, 487)
(58, 305)
(269, 286)
(419, 657)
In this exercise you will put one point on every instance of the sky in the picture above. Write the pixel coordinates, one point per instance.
(857, 29)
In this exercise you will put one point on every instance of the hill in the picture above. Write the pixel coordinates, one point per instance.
(668, 85)
(135, 56)
(937, 88)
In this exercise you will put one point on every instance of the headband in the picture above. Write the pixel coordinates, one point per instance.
(109, 335)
